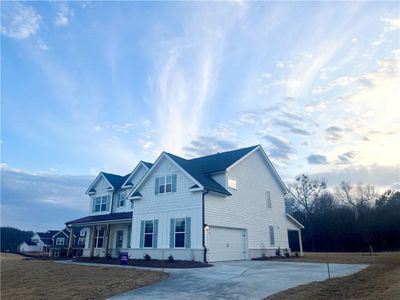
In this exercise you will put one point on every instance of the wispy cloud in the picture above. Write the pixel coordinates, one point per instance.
(19, 21)
(317, 159)
(63, 15)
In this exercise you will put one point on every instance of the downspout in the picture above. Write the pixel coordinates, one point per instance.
(204, 225)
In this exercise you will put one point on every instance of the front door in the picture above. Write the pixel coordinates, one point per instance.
(120, 239)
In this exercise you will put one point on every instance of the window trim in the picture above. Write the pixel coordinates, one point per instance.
(123, 200)
(101, 203)
(162, 181)
(119, 231)
(180, 232)
(60, 241)
(271, 236)
(234, 180)
(268, 200)
(97, 238)
(144, 234)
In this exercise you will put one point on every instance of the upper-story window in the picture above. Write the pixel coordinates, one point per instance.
(60, 241)
(268, 198)
(101, 203)
(121, 200)
(165, 184)
(232, 183)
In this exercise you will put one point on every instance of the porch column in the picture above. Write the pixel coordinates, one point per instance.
(300, 242)
(70, 241)
(108, 229)
(93, 241)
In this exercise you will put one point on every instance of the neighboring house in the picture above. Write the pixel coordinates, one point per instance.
(61, 242)
(226, 206)
(39, 242)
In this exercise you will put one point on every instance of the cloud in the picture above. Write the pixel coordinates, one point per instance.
(19, 21)
(292, 128)
(42, 45)
(379, 175)
(317, 159)
(278, 147)
(64, 13)
(41, 201)
(248, 117)
(392, 23)
(205, 145)
(346, 158)
(334, 133)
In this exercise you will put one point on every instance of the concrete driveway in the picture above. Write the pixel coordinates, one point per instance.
(238, 280)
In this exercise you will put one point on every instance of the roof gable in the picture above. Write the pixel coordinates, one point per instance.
(141, 164)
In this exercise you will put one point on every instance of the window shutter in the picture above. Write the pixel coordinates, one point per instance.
(269, 201)
(172, 233)
(141, 234)
(108, 203)
(173, 183)
(129, 236)
(187, 232)
(156, 185)
(94, 204)
(155, 233)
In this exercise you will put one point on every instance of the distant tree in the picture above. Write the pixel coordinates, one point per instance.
(359, 197)
(12, 237)
(303, 193)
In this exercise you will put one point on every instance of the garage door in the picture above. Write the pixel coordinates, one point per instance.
(226, 244)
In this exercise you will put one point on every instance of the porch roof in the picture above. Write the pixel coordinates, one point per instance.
(113, 218)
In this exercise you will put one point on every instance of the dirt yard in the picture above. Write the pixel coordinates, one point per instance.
(23, 278)
(381, 280)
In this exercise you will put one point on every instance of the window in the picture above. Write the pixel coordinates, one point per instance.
(60, 241)
(120, 239)
(268, 198)
(165, 184)
(99, 238)
(232, 183)
(82, 238)
(148, 234)
(180, 233)
(101, 203)
(271, 236)
(121, 200)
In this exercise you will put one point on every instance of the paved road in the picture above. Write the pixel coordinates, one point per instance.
(238, 280)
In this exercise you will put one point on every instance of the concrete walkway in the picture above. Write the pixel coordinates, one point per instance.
(238, 280)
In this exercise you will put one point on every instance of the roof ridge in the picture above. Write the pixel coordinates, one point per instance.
(219, 153)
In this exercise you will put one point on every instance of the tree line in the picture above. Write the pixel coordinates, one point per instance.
(12, 237)
(351, 217)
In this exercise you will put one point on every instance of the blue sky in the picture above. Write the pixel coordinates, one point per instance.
(98, 86)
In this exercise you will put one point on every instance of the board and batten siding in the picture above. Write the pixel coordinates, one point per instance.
(247, 207)
(162, 207)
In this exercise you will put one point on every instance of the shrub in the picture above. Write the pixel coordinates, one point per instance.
(278, 251)
(108, 256)
(171, 258)
(147, 257)
(286, 252)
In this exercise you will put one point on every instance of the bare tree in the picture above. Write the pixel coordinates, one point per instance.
(356, 196)
(303, 195)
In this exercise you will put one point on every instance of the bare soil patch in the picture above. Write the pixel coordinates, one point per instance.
(381, 280)
(24, 278)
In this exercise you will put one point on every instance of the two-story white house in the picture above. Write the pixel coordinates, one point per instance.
(226, 206)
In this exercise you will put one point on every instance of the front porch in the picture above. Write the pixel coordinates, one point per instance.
(103, 235)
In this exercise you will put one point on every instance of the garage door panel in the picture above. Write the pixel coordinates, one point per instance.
(226, 244)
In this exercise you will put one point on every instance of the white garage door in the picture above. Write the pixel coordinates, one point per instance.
(226, 244)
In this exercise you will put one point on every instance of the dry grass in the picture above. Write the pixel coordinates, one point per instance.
(381, 280)
(23, 278)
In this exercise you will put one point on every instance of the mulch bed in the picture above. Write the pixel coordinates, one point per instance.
(153, 263)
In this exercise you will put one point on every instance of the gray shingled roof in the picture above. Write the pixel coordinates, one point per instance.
(100, 218)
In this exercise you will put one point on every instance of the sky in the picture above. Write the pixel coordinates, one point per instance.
(98, 86)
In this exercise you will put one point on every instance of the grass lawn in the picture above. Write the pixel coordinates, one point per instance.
(23, 278)
(381, 280)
